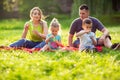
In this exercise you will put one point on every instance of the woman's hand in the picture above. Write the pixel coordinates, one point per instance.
(36, 32)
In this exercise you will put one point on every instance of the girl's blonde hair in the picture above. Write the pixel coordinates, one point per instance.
(40, 11)
(55, 23)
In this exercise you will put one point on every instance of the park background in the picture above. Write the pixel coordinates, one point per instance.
(106, 10)
(20, 65)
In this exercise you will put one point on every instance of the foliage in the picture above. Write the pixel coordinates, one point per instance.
(20, 65)
(47, 7)
(75, 7)
(4, 24)
(59, 66)
(21, 8)
(97, 7)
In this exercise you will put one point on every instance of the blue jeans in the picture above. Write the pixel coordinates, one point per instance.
(89, 47)
(76, 43)
(27, 44)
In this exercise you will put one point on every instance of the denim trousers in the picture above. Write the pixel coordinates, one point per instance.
(76, 43)
(27, 44)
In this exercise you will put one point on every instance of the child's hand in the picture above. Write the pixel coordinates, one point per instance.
(57, 42)
(52, 36)
(91, 37)
(87, 31)
(93, 40)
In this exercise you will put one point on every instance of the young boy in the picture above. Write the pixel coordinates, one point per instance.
(87, 38)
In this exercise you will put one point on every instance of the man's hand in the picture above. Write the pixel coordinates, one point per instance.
(101, 40)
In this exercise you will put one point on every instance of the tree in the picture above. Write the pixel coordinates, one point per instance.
(97, 7)
(1, 8)
(9, 8)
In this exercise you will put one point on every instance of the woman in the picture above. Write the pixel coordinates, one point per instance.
(35, 30)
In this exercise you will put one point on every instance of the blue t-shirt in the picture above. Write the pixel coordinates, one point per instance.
(76, 25)
(52, 43)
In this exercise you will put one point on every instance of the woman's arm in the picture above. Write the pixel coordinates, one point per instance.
(26, 27)
(45, 31)
(45, 28)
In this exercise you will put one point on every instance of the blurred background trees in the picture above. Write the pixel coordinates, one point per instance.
(98, 7)
(21, 8)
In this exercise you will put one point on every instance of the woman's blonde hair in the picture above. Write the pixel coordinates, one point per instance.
(55, 23)
(40, 11)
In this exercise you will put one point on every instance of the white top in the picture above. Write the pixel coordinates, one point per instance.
(85, 41)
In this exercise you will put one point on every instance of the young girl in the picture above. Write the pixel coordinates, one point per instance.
(35, 30)
(53, 39)
(87, 38)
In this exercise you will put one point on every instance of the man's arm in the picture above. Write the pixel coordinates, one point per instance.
(72, 31)
(105, 33)
(70, 39)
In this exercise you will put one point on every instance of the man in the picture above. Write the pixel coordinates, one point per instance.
(76, 26)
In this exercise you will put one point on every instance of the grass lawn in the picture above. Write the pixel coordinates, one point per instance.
(20, 65)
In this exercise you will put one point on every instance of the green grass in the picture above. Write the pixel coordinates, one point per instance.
(20, 65)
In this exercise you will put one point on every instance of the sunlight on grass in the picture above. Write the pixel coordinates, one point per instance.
(11, 24)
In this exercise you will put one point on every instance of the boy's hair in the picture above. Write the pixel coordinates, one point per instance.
(87, 21)
(36, 8)
(83, 6)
